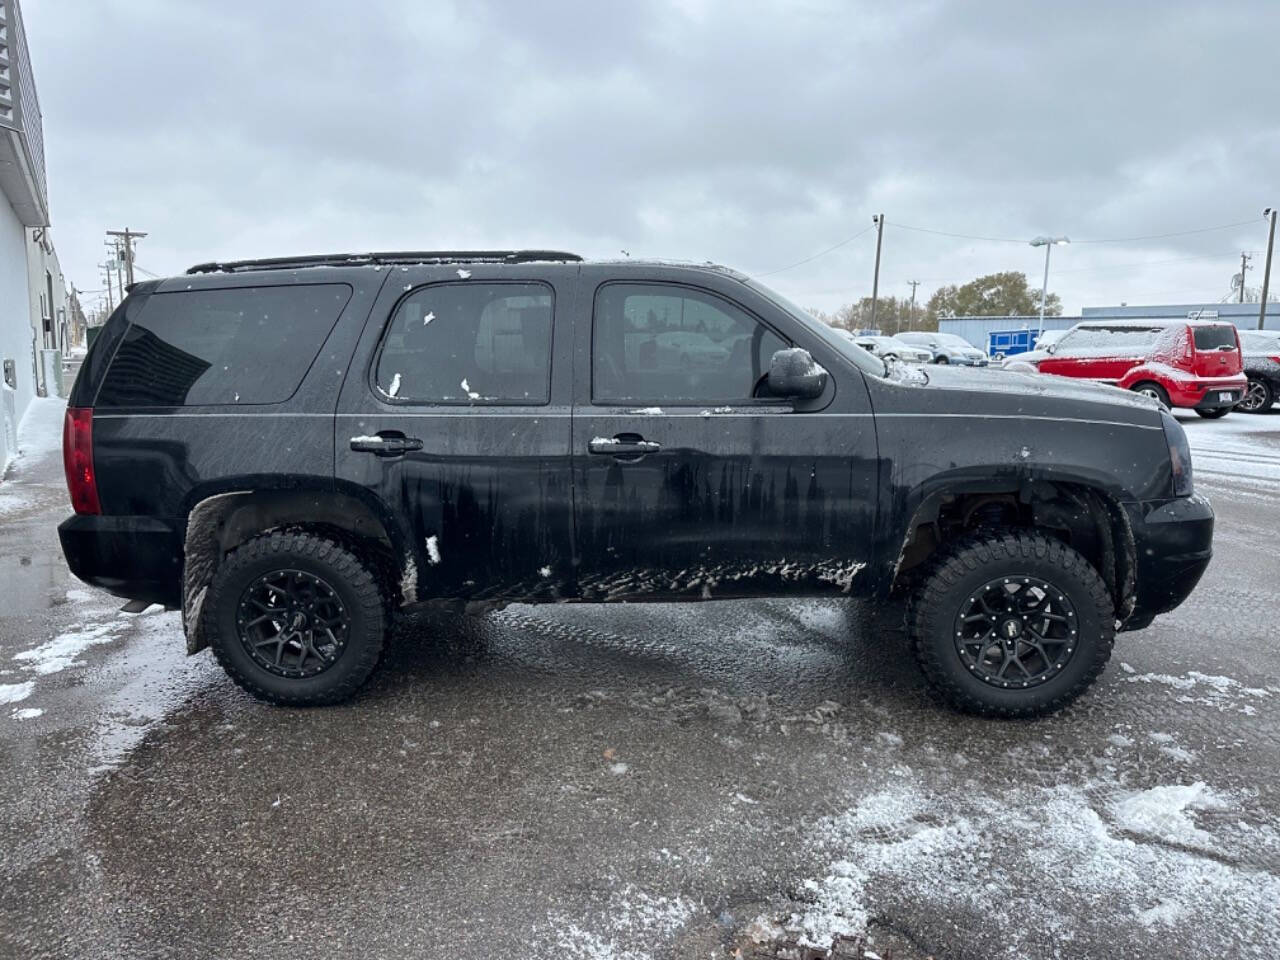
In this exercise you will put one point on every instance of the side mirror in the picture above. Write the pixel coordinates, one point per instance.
(1050, 348)
(793, 373)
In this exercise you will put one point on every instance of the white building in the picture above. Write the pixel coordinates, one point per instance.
(34, 309)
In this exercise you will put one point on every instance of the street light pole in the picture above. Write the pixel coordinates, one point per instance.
(1048, 243)
(1269, 213)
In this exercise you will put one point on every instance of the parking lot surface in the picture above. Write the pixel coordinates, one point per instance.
(638, 781)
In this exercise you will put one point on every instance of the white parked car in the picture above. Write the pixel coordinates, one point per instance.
(892, 347)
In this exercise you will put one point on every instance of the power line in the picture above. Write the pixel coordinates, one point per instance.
(1164, 236)
(820, 253)
(961, 236)
(1151, 236)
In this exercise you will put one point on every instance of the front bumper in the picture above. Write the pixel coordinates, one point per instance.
(138, 558)
(1173, 541)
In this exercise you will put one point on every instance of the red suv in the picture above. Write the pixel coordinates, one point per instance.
(1181, 363)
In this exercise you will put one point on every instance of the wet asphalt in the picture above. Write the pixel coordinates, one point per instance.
(638, 781)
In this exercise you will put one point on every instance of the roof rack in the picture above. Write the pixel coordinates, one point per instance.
(385, 259)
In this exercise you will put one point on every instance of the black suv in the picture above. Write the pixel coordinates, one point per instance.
(291, 451)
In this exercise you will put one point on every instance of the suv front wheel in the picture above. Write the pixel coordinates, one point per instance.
(296, 619)
(1012, 624)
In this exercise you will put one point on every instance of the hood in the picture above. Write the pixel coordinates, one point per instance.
(1035, 393)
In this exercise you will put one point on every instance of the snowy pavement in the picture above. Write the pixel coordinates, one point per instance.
(638, 781)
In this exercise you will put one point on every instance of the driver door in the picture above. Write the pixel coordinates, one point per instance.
(687, 482)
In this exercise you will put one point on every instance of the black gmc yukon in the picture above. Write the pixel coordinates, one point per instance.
(291, 451)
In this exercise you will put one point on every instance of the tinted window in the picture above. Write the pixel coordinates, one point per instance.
(468, 341)
(676, 345)
(247, 345)
(1215, 338)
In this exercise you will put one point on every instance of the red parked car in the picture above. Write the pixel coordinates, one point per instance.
(1181, 363)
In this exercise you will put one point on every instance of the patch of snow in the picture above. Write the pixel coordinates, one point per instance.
(395, 386)
(646, 412)
(464, 274)
(618, 769)
(61, 652)
(433, 549)
(27, 713)
(13, 692)
(544, 571)
(1164, 813)
(365, 438)
(466, 388)
(428, 318)
(76, 595)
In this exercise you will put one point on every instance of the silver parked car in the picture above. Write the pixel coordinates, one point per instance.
(946, 348)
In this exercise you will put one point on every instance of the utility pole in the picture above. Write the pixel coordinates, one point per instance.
(128, 237)
(1270, 213)
(1245, 257)
(911, 317)
(107, 268)
(878, 220)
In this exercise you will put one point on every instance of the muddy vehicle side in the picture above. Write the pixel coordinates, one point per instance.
(481, 429)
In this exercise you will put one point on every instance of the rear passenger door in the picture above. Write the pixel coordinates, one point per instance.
(454, 421)
(686, 482)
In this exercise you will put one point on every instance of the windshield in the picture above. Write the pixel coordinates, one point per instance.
(830, 335)
(955, 340)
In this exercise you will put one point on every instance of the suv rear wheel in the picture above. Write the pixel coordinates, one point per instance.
(1011, 624)
(296, 619)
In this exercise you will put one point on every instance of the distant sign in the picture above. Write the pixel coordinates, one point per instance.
(1202, 314)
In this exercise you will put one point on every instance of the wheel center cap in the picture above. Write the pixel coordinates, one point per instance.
(1011, 628)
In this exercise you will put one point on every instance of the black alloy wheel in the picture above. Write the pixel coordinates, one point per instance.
(292, 623)
(1016, 632)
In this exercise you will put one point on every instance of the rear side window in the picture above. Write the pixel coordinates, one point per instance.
(469, 342)
(1215, 338)
(242, 345)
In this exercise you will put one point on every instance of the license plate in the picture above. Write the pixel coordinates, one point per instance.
(1226, 395)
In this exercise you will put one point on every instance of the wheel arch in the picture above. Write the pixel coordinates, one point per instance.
(219, 522)
(1076, 510)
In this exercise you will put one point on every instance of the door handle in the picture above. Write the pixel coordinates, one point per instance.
(386, 443)
(623, 445)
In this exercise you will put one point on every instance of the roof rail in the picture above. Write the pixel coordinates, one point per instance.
(385, 258)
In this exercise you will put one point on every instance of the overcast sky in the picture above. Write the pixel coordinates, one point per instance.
(693, 130)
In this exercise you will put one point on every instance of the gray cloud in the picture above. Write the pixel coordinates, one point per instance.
(701, 130)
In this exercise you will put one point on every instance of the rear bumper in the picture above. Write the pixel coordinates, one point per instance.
(138, 558)
(1174, 544)
(1208, 393)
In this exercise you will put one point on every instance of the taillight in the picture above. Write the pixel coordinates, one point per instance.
(1274, 359)
(77, 459)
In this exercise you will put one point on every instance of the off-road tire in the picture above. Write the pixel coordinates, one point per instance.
(1152, 389)
(350, 577)
(959, 569)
